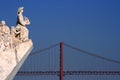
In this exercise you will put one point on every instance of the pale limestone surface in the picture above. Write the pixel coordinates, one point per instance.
(15, 46)
(10, 58)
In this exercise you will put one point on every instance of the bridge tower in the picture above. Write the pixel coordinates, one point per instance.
(61, 61)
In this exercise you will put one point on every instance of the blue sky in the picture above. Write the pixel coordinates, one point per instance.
(92, 25)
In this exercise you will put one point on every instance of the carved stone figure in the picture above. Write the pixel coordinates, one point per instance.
(15, 46)
(11, 39)
(5, 38)
(4, 29)
(17, 34)
(21, 32)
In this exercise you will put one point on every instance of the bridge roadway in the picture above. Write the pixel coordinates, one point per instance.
(37, 73)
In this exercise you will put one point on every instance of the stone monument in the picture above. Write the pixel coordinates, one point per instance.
(15, 46)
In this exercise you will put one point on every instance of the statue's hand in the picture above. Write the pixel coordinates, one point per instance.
(27, 20)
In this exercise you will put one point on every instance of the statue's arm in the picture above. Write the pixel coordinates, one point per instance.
(23, 20)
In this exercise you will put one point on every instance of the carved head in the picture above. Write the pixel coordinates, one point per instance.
(20, 10)
(3, 22)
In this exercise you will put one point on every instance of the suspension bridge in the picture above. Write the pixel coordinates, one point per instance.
(64, 62)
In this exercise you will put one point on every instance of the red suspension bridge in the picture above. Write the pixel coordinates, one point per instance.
(63, 60)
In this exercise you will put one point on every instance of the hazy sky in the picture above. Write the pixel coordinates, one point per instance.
(92, 25)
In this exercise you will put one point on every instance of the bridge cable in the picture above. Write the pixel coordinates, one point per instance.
(42, 50)
(92, 54)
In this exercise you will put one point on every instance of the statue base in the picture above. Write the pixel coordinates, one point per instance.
(12, 59)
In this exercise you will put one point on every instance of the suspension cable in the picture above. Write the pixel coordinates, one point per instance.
(42, 50)
(92, 54)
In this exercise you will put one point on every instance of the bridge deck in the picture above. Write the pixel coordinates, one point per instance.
(37, 73)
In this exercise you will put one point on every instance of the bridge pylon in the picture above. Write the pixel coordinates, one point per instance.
(61, 61)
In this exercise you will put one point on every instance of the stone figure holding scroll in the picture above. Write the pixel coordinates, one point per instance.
(20, 31)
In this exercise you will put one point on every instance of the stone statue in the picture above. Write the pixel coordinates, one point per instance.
(4, 29)
(15, 46)
(21, 32)
(17, 34)
(5, 38)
